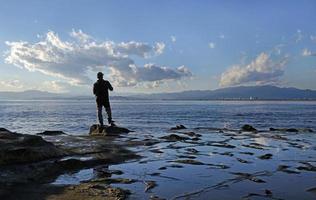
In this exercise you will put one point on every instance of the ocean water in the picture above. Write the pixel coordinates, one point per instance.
(154, 117)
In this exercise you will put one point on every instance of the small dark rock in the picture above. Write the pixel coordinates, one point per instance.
(52, 133)
(178, 127)
(174, 137)
(313, 190)
(149, 185)
(162, 168)
(248, 128)
(242, 161)
(189, 161)
(265, 156)
(294, 130)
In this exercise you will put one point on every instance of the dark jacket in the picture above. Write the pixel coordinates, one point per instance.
(100, 89)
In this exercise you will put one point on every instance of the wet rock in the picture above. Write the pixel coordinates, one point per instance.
(186, 156)
(218, 166)
(219, 144)
(178, 127)
(109, 181)
(150, 142)
(149, 185)
(254, 146)
(313, 190)
(307, 167)
(52, 133)
(265, 156)
(162, 168)
(156, 151)
(192, 134)
(278, 137)
(22, 148)
(247, 153)
(189, 161)
(92, 191)
(196, 139)
(267, 195)
(230, 154)
(293, 130)
(248, 128)
(242, 161)
(97, 130)
(174, 138)
(268, 192)
(175, 166)
(192, 150)
(247, 176)
(284, 168)
(153, 197)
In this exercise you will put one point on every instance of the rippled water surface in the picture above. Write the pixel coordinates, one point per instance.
(75, 117)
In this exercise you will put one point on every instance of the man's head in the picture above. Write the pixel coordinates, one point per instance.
(100, 75)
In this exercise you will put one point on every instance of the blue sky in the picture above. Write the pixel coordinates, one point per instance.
(156, 46)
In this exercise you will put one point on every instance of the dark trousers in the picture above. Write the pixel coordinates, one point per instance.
(106, 104)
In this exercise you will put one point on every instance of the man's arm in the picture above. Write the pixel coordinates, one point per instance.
(94, 89)
(109, 86)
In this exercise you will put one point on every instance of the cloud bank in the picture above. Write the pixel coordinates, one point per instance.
(73, 60)
(261, 70)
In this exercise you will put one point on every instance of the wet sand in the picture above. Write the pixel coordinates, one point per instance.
(183, 163)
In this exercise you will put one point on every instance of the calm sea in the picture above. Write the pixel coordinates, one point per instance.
(154, 117)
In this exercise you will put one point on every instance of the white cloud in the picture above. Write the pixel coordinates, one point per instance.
(159, 48)
(173, 38)
(54, 86)
(211, 45)
(307, 52)
(260, 71)
(313, 38)
(11, 84)
(79, 35)
(73, 60)
(221, 36)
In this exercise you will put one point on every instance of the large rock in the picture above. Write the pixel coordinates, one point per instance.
(97, 130)
(22, 148)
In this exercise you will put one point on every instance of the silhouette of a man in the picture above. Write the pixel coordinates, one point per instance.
(100, 90)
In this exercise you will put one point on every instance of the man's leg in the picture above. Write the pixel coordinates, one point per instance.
(100, 117)
(108, 111)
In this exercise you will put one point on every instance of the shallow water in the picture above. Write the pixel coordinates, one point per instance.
(151, 120)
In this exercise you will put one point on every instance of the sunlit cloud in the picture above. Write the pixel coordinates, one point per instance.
(263, 69)
(73, 60)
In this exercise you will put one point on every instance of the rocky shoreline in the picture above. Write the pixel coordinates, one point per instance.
(30, 164)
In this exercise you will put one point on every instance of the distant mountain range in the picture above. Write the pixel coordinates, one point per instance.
(43, 95)
(232, 93)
